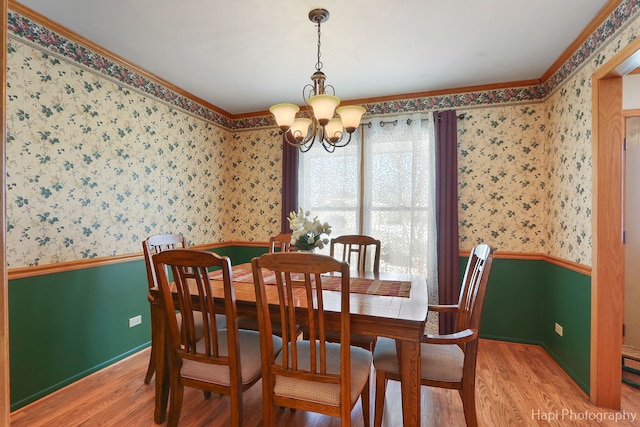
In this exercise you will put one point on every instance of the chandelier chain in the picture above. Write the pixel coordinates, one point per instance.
(319, 63)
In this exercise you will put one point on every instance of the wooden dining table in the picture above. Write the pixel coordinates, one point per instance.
(399, 316)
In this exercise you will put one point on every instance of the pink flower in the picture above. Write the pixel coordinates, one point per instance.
(49, 38)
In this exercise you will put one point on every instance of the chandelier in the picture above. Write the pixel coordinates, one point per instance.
(302, 132)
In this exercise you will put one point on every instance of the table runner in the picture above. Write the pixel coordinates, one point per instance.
(389, 288)
(242, 273)
(392, 288)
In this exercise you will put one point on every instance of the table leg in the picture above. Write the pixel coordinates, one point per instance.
(158, 339)
(409, 360)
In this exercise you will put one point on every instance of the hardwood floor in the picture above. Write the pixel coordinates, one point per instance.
(516, 385)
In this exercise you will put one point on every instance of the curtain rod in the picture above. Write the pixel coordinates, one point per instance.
(395, 122)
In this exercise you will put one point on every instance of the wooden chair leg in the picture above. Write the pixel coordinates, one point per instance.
(163, 378)
(236, 407)
(151, 368)
(381, 388)
(366, 406)
(345, 417)
(175, 405)
(155, 312)
(268, 408)
(468, 395)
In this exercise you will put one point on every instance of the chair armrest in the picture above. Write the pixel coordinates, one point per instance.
(455, 338)
(443, 308)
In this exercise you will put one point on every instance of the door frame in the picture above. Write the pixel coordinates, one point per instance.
(5, 398)
(627, 114)
(607, 271)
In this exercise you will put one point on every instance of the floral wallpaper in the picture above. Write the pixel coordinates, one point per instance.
(76, 53)
(501, 178)
(93, 167)
(569, 170)
(568, 149)
(99, 157)
(537, 158)
(253, 185)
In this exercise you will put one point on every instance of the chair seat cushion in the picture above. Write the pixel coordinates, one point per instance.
(325, 393)
(440, 362)
(250, 365)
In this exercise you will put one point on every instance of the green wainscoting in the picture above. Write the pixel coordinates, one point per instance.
(65, 326)
(567, 301)
(513, 302)
(525, 298)
(240, 254)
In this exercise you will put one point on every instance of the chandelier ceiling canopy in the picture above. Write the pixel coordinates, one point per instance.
(302, 132)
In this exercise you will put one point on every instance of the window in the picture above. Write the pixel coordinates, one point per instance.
(381, 185)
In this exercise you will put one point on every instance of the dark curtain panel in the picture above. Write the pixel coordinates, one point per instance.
(446, 140)
(289, 183)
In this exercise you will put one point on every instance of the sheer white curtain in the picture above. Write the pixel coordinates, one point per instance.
(383, 187)
(328, 185)
(399, 192)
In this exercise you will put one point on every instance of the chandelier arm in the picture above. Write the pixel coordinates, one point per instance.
(314, 126)
(339, 143)
(306, 97)
(311, 136)
(306, 143)
(325, 138)
(289, 139)
(333, 90)
(328, 146)
(304, 147)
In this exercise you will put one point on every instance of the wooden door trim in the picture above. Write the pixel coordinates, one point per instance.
(607, 269)
(5, 400)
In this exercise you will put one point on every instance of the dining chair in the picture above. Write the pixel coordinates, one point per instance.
(224, 360)
(150, 246)
(448, 361)
(280, 243)
(309, 374)
(357, 245)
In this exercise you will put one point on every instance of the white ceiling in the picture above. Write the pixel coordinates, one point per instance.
(243, 56)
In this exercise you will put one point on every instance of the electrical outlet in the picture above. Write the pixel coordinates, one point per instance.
(135, 321)
(558, 329)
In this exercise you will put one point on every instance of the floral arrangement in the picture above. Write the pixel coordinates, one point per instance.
(307, 234)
